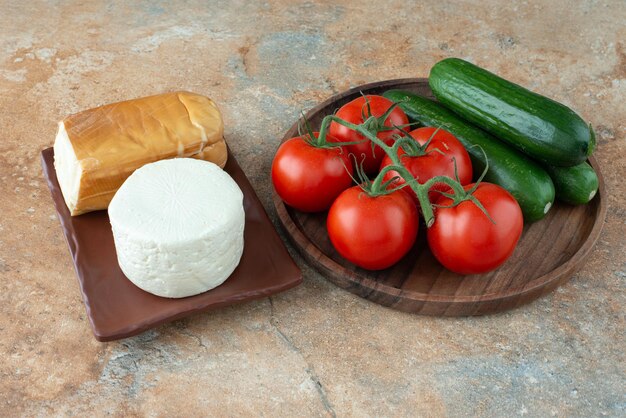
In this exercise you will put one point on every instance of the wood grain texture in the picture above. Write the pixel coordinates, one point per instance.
(548, 254)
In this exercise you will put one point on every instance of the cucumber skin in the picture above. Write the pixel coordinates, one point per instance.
(526, 180)
(575, 185)
(536, 125)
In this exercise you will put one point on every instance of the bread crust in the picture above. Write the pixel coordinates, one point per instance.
(110, 142)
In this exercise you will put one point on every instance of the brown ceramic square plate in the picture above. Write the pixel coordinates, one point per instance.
(117, 308)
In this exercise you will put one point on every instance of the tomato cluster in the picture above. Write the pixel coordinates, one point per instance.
(472, 227)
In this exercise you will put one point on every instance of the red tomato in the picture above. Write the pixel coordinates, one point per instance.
(372, 232)
(353, 112)
(465, 241)
(309, 178)
(433, 164)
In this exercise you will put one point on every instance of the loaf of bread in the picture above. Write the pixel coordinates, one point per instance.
(97, 149)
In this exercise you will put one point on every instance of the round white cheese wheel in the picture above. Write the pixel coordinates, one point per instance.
(178, 227)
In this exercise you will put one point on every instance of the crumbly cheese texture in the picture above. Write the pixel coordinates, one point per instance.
(178, 227)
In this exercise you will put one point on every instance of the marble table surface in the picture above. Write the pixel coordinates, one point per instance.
(315, 350)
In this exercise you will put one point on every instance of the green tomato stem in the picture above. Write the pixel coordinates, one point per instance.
(369, 129)
(324, 128)
(421, 190)
(378, 181)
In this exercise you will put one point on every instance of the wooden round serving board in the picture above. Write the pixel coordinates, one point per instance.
(548, 254)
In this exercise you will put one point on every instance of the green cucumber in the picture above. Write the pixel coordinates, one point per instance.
(575, 185)
(523, 178)
(539, 127)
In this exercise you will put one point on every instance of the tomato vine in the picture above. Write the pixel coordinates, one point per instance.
(369, 128)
